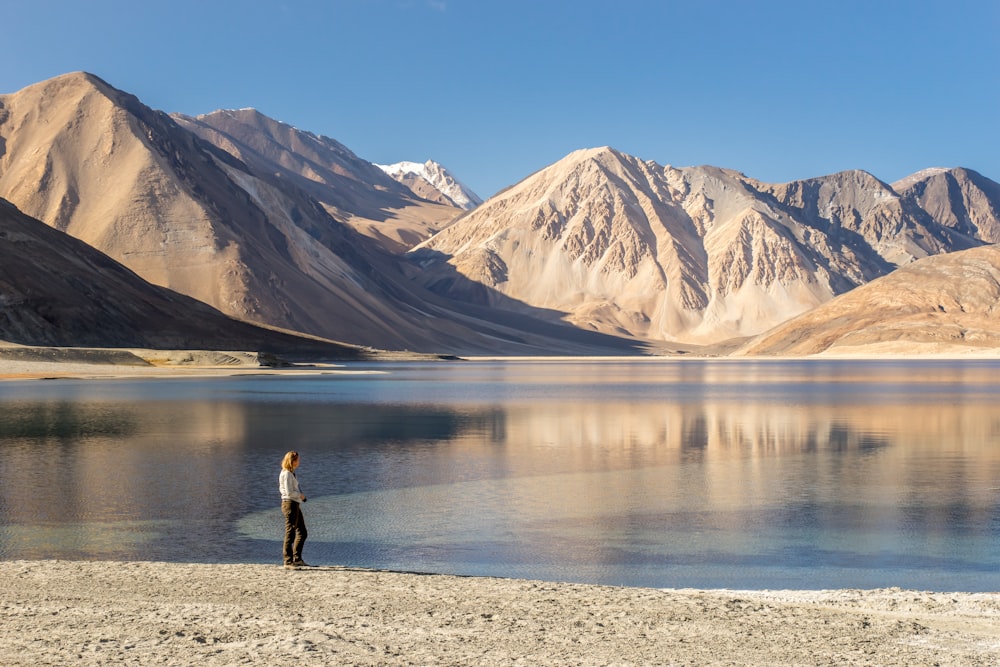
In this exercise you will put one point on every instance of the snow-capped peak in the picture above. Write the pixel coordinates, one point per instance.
(439, 178)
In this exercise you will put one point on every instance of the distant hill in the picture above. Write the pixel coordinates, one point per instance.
(946, 304)
(57, 291)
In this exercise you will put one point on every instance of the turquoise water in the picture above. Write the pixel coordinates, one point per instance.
(737, 474)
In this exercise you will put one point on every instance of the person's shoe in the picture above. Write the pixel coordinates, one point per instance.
(290, 566)
(300, 563)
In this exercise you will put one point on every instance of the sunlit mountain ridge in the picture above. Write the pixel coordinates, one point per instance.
(599, 253)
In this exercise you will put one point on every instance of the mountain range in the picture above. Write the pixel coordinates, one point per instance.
(697, 254)
(599, 253)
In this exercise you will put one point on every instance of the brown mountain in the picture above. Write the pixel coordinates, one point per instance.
(351, 190)
(946, 304)
(95, 162)
(598, 253)
(58, 291)
(700, 255)
(959, 199)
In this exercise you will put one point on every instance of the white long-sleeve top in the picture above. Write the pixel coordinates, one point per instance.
(288, 486)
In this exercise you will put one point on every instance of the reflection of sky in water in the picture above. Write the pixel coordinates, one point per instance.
(709, 474)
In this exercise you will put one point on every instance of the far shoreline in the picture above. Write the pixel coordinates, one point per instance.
(101, 368)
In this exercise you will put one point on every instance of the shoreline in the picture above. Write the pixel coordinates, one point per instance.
(13, 369)
(86, 612)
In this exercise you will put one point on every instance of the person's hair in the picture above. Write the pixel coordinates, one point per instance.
(288, 462)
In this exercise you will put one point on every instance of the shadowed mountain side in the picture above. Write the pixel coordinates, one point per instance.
(57, 291)
(504, 325)
(946, 304)
(91, 160)
(351, 190)
(95, 162)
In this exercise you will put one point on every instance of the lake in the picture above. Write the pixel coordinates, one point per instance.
(666, 473)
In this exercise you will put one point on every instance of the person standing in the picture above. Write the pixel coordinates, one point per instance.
(295, 524)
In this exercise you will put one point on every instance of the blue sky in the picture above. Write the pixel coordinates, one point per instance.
(496, 90)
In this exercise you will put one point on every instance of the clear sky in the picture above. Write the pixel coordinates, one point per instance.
(498, 89)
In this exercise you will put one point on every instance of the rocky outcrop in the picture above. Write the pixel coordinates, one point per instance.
(959, 199)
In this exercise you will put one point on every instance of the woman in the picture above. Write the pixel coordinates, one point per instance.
(295, 524)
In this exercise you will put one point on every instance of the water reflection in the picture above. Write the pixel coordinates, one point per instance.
(700, 474)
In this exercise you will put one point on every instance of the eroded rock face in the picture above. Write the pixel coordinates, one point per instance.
(696, 254)
(959, 199)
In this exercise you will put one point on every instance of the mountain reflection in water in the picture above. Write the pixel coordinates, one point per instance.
(695, 473)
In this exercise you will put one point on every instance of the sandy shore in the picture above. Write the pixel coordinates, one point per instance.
(38, 370)
(90, 613)
(54, 371)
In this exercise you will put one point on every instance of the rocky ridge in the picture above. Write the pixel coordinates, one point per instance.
(945, 304)
(600, 252)
(696, 254)
(350, 189)
(184, 214)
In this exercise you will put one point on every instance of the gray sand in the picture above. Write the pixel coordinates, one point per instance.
(90, 613)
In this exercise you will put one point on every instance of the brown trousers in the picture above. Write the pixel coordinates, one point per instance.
(295, 531)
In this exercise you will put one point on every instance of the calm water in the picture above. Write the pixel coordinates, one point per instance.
(669, 474)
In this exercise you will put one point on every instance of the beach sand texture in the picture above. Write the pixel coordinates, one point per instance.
(98, 613)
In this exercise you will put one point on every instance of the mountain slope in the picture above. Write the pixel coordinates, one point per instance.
(351, 190)
(943, 304)
(56, 290)
(959, 199)
(697, 255)
(600, 253)
(95, 162)
(432, 181)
